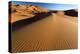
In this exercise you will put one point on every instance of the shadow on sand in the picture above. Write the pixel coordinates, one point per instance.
(19, 24)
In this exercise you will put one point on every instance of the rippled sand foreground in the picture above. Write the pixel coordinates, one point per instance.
(55, 32)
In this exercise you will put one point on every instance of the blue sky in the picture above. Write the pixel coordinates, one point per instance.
(49, 6)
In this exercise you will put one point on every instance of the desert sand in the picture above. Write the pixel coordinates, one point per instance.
(51, 33)
(55, 32)
(21, 12)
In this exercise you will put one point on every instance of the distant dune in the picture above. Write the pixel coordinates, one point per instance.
(18, 12)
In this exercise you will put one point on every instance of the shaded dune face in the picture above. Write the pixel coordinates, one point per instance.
(22, 22)
(73, 13)
(51, 33)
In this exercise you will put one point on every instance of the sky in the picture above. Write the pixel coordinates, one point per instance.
(49, 6)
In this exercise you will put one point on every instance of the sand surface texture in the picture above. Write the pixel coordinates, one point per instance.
(55, 32)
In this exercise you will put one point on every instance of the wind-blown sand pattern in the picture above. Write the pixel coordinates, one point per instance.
(54, 32)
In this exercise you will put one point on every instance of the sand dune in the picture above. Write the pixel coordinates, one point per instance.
(50, 33)
(20, 12)
(54, 32)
